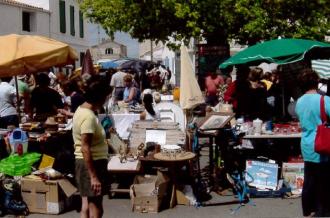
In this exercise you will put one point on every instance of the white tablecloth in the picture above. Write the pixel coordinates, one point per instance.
(115, 165)
(122, 122)
(273, 136)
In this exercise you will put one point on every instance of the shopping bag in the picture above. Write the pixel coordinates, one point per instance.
(107, 124)
(322, 139)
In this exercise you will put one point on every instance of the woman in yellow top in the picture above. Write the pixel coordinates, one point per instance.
(91, 151)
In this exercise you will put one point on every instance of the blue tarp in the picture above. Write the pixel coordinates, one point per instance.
(108, 65)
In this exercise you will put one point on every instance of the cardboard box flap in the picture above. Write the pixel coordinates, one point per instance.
(150, 185)
(181, 198)
(33, 184)
(145, 189)
(161, 178)
(67, 187)
(145, 179)
(34, 177)
(161, 183)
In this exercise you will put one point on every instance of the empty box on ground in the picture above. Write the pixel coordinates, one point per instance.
(147, 192)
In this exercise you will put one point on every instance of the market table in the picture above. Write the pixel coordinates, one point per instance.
(164, 97)
(122, 122)
(115, 167)
(59, 146)
(278, 147)
(214, 151)
(173, 164)
(273, 136)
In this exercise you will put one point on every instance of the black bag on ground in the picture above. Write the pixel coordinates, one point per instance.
(11, 199)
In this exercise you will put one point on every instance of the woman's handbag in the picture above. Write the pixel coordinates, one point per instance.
(322, 139)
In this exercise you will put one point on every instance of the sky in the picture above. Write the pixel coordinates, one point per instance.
(40, 3)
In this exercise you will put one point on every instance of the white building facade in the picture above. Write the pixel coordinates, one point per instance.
(68, 25)
(108, 49)
(57, 19)
(97, 35)
(36, 20)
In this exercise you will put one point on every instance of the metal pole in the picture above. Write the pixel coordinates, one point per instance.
(283, 101)
(151, 51)
(18, 100)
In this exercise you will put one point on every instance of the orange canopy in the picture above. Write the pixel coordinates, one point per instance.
(20, 54)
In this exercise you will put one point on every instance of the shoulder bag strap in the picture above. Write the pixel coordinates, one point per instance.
(322, 108)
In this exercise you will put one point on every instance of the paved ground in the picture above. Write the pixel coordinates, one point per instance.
(265, 207)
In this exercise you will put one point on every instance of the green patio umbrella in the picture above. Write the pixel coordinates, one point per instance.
(279, 51)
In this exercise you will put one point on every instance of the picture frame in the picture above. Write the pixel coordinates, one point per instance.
(264, 174)
(215, 121)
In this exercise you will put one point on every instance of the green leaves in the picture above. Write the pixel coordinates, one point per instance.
(246, 21)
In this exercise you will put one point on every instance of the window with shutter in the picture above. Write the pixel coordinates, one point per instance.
(81, 24)
(72, 29)
(62, 17)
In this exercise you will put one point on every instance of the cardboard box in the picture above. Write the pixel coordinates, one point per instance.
(293, 175)
(147, 192)
(46, 196)
(181, 199)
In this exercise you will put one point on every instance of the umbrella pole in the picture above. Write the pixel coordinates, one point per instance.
(188, 116)
(283, 101)
(151, 51)
(18, 100)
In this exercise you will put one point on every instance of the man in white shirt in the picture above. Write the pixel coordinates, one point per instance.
(117, 83)
(8, 112)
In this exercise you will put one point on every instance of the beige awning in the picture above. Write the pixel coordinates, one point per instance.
(190, 92)
(21, 54)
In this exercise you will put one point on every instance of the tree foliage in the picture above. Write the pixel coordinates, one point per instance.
(268, 19)
(246, 21)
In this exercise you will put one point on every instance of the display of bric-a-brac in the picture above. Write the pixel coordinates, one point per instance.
(263, 174)
(216, 121)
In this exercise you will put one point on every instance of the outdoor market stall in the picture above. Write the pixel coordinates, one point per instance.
(141, 146)
(274, 139)
(27, 54)
(22, 54)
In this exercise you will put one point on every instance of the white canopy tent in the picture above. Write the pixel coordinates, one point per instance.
(322, 67)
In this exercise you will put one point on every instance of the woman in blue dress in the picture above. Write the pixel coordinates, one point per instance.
(131, 93)
(315, 193)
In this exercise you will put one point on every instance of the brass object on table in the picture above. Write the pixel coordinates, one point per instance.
(51, 126)
(139, 151)
(171, 151)
(125, 155)
(61, 119)
(122, 154)
(183, 156)
(31, 127)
